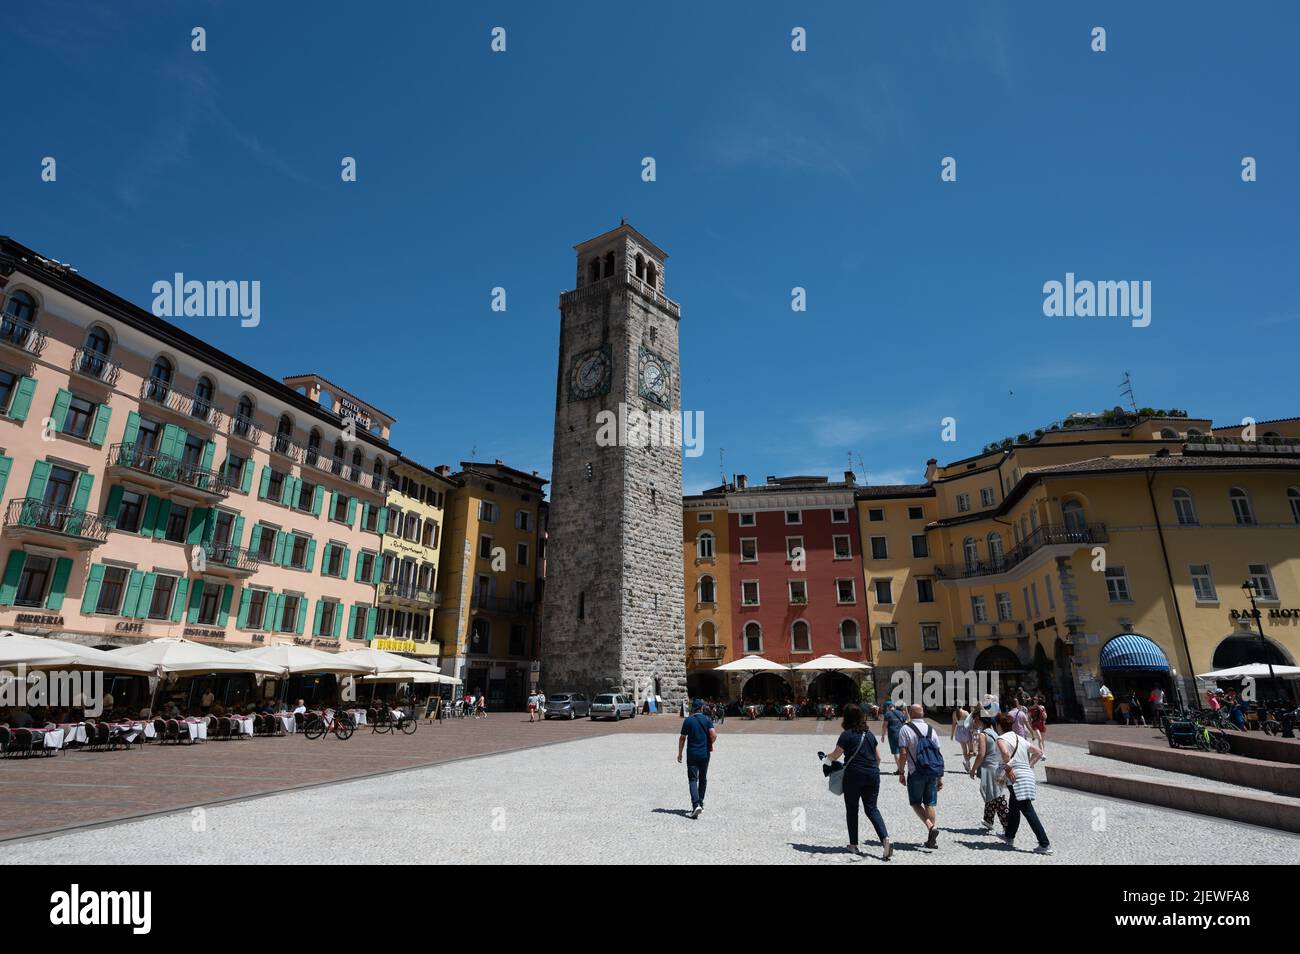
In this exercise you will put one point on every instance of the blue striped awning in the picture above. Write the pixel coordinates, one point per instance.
(1133, 652)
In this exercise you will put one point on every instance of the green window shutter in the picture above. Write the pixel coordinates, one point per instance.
(81, 498)
(352, 511)
(334, 502)
(99, 430)
(114, 503)
(13, 572)
(317, 499)
(343, 567)
(352, 620)
(150, 515)
(209, 524)
(146, 594)
(209, 454)
(40, 476)
(90, 594)
(325, 560)
(271, 615)
(371, 617)
(287, 496)
(255, 538)
(315, 623)
(59, 413)
(237, 533)
(246, 476)
(382, 525)
(281, 545)
(131, 602)
(265, 484)
(132, 428)
(377, 572)
(22, 401)
(198, 526)
(357, 576)
(167, 442)
(178, 600)
(245, 598)
(302, 615)
(227, 597)
(311, 553)
(160, 522)
(338, 620)
(6, 464)
(196, 600)
(59, 583)
(365, 514)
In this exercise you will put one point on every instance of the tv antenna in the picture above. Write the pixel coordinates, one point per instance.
(1126, 390)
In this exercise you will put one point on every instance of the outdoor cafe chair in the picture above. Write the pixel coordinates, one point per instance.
(22, 742)
(103, 737)
(6, 739)
(172, 732)
(159, 730)
(224, 728)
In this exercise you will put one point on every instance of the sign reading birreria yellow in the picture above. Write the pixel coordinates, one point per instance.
(405, 646)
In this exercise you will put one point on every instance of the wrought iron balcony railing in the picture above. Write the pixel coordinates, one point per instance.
(31, 513)
(412, 593)
(244, 429)
(22, 335)
(338, 467)
(95, 365)
(1042, 537)
(197, 406)
(232, 558)
(502, 604)
(286, 448)
(711, 652)
(144, 459)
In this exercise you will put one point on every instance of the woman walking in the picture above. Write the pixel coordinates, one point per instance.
(961, 731)
(988, 769)
(861, 777)
(1019, 757)
(1038, 725)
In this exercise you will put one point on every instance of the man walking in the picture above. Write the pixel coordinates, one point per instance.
(697, 738)
(921, 770)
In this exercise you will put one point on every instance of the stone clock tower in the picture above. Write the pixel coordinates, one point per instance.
(613, 612)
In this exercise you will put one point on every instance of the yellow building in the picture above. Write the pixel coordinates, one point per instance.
(486, 621)
(705, 551)
(407, 579)
(1107, 549)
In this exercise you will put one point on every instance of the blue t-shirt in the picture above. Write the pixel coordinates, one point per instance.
(894, 721)
(696, 729)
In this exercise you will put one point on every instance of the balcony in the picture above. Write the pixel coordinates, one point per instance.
(507, 605)
(1062, 540)
(21, 336)
(93, 365)
(167, 473)
(286, 448)
(230, 561)
(337, 467)
(705, 657)
(34, 520)
(195, 407)
(241, 428)
(411, 594)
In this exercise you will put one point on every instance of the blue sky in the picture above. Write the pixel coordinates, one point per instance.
(775, 170)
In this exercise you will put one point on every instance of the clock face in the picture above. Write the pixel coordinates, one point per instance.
(590, 373)
(656, 378)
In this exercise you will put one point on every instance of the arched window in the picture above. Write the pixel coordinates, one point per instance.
(995, 548)
(609, 264)
(1293, 498)
(704, 546)
(313, 446)
(160, 379)
(593, 272)
(1168, 434)
(98, 344)
(283, 434)
(243, 416)
(1193, 433)
(800, 637)
(480, 636)
(358, 463)
(849, 635)
(204, 390)
(753, 638)
(640, 266)
(1184, 508)
(707, 634)
(707, 590)
(1073, 515)
(21, 307)
(652, 275)
(970, 552)
(1242, 511)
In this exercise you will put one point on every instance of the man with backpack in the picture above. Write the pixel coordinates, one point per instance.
(921, 770)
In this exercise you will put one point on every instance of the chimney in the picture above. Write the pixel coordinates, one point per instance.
(850, 478)
(442, 470)
(742, 481)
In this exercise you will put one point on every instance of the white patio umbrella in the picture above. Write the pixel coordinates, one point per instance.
(412, 675)
(38, 652)
(752, 664)
(1255, 670)
(832, 663)
(170, 654)
(299, 659)
(379, 663)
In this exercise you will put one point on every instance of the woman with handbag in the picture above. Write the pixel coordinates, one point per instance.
(987, 767)
(1018, 758)
(859, 780)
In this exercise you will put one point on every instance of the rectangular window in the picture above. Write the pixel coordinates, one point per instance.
(979, 612)
(288, 614)
(875, 515)
(298, 552)
(793, 544)
(879, 548)
(1184, 509)
(986, 497)
(234, 470)
(340, 512)
(367, 567)
(842, 547)
(34, 580)
(485, 548)
(487, 511)
(794, 516)
(1004, 607)
(160, 607)
(128, 514)
(839, 515)
(798, 592)
(704, 517)
(845, 592)
(930, 636)
(306, 496)
(111, 590)
(748, 549)
(889, 639)
(275, 486)
(359, 622)
(8, 380)
(1033, 593)
(80, 416)
(177, 519)
(884, 592)
(327, 611)
(1117, 585)
(334, 562)
(521, 554)
(209, 604)
(1203, 583)
(256, 608)
(266, 545)
(748, 519)
(924, 590)
(523, 520)
(749, 593)
(963, 503)
(370, 518)
(915, 513)
(1262, 578)
(920, 546)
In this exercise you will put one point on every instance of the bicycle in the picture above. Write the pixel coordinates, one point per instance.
(385, 722)
(320, 724)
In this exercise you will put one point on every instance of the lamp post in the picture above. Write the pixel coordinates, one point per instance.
(1250, 587)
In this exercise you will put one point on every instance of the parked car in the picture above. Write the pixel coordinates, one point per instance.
(612, 705)
(567, 705)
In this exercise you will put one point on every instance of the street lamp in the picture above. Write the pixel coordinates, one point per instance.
(1250, 587)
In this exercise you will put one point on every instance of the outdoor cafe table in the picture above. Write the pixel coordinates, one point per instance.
(197, 728)
(50, 738)
(245, 724)
(73, 733)
(287, 721)
(358, 716)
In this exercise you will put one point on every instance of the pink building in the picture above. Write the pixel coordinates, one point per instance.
(155, 486)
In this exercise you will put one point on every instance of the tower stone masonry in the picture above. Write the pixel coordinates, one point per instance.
(614, 611)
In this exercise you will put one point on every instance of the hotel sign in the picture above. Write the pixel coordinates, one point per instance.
(351, 409)
(1276, 612)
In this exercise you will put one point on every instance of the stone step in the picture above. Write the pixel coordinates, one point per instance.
(1258, 745)
(1269, 811)
(1280, 777)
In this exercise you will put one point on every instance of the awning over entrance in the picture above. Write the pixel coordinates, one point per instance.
(1132, 652)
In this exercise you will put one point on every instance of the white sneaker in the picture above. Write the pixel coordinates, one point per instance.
(1044, 850)
(988, 825)
(694, 813)
(888, 852)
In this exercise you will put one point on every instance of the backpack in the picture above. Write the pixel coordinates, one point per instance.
(927, 757)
